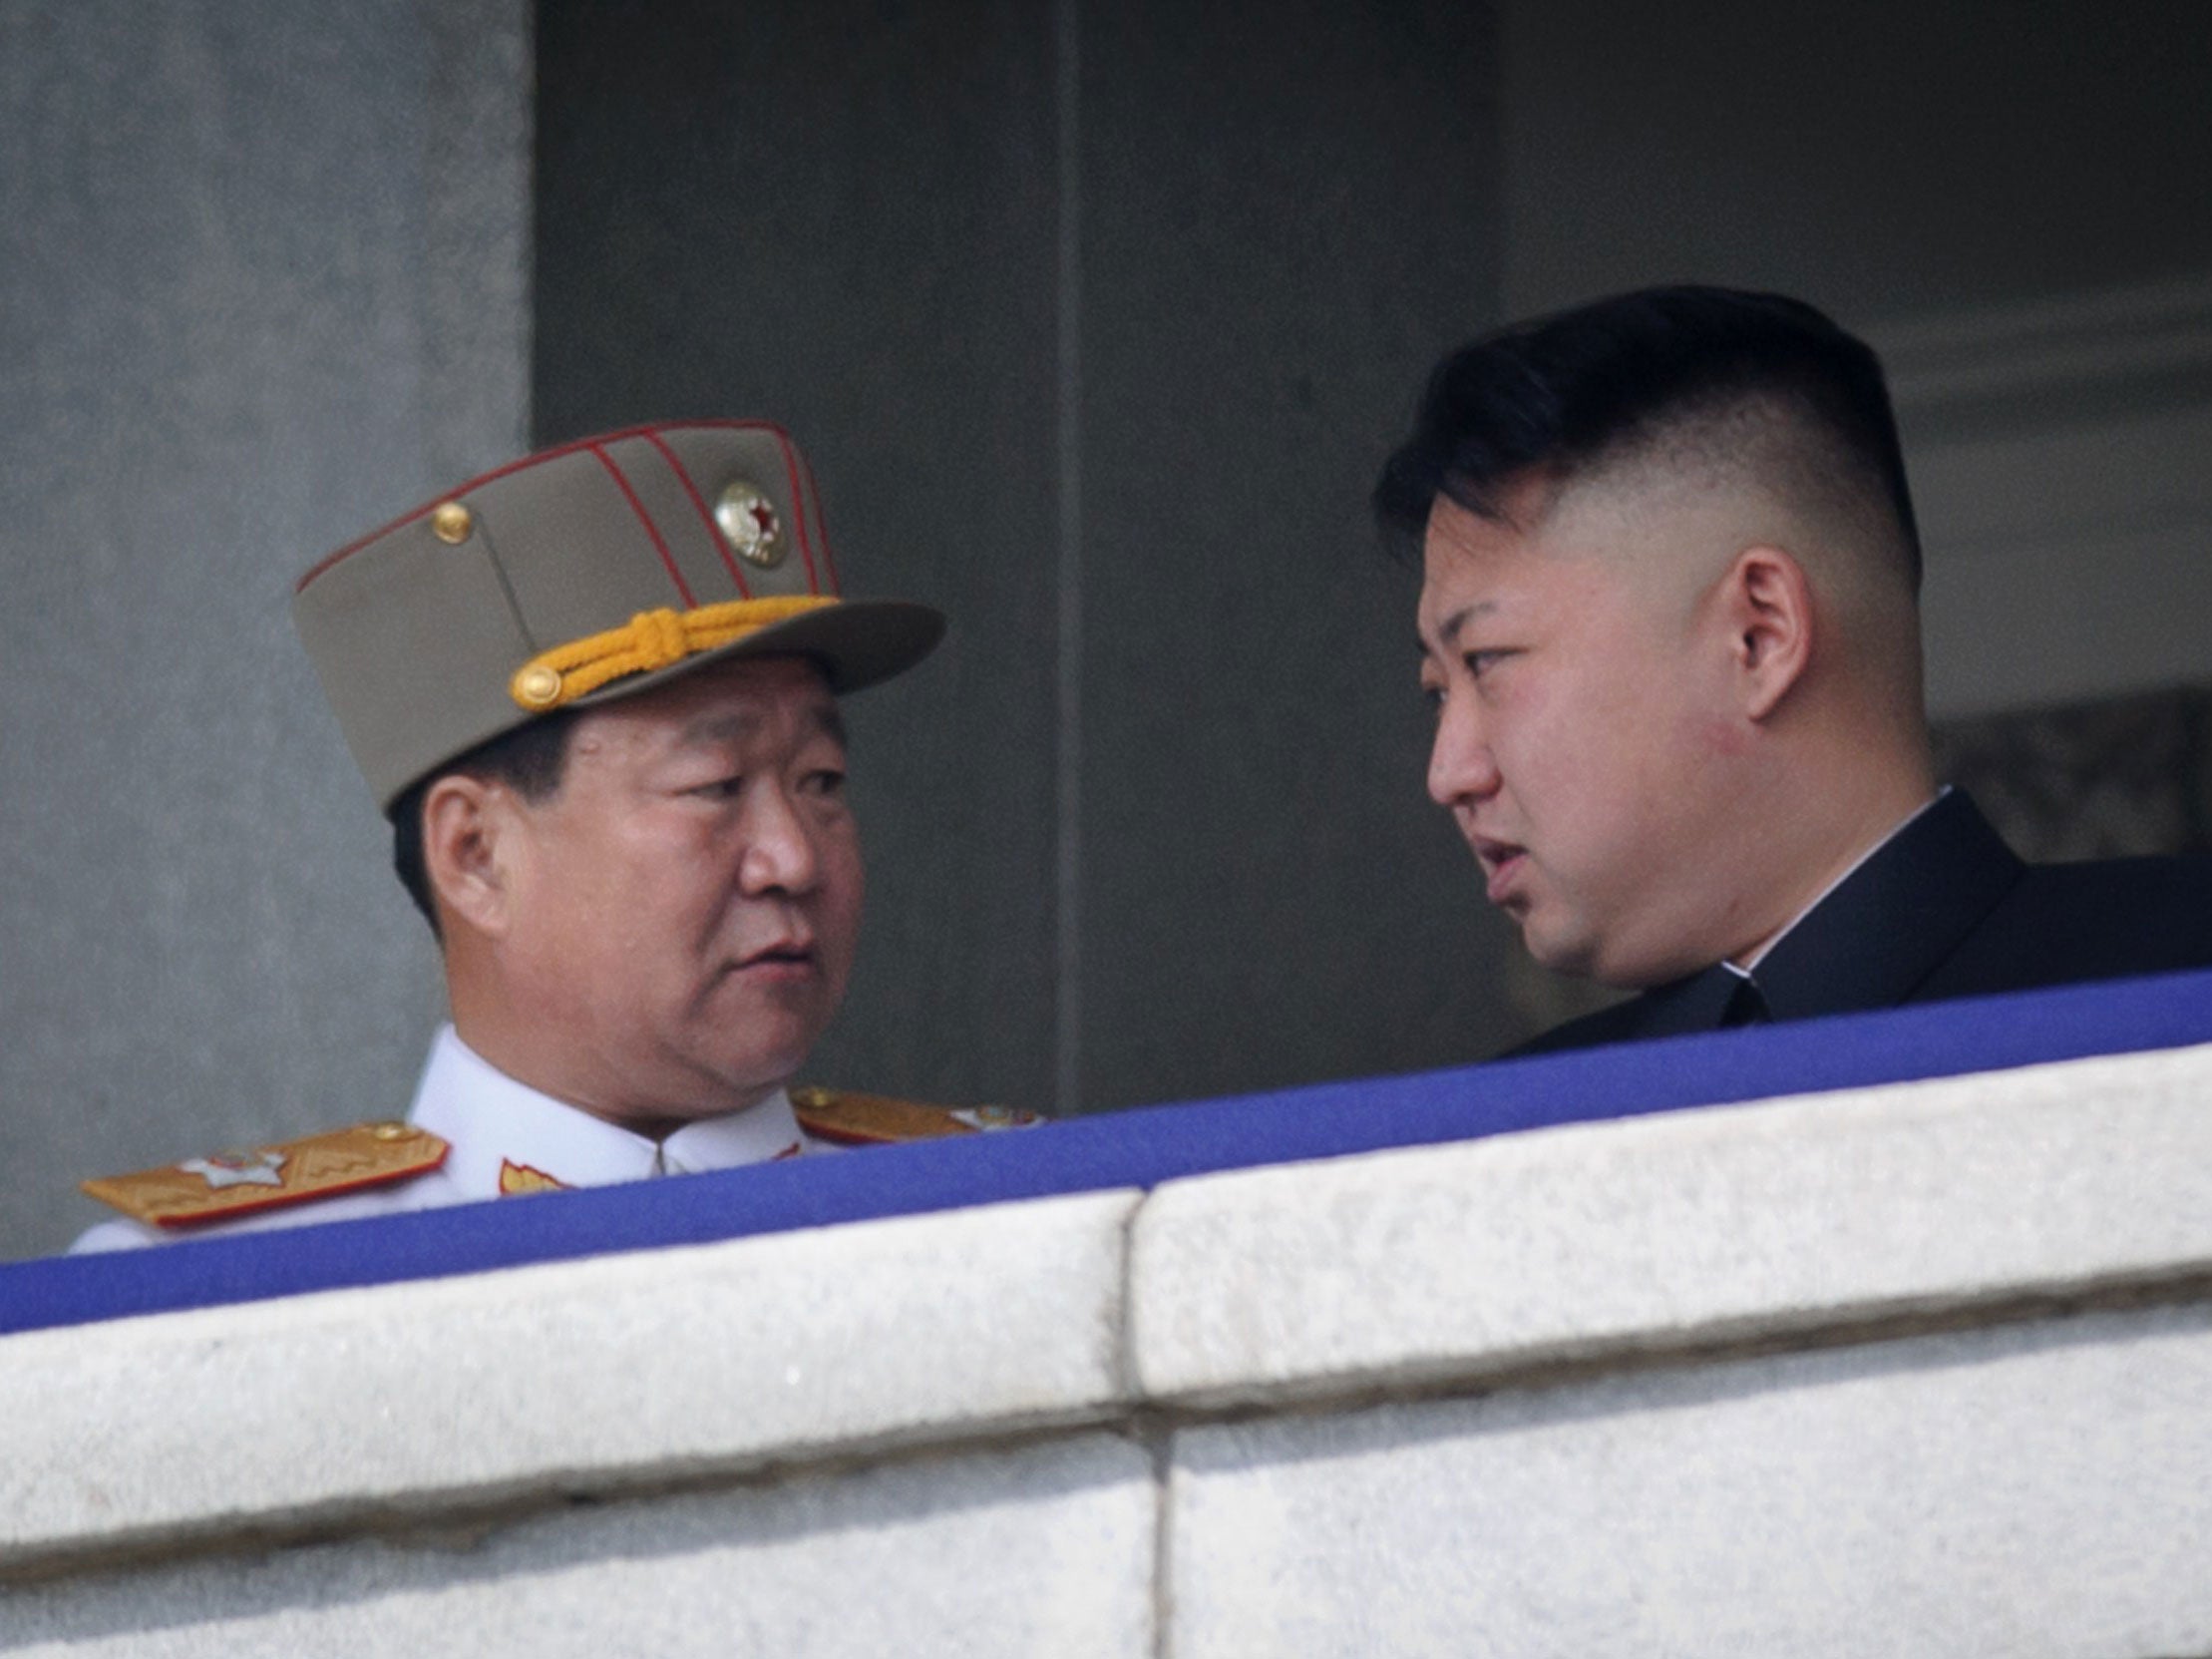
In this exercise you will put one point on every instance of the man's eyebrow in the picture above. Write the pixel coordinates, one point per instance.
(1453, 625)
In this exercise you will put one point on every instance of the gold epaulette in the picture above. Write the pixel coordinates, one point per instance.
(854, 1119)
(228, 1184)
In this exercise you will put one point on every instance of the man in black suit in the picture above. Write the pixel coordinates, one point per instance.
(1670, 626)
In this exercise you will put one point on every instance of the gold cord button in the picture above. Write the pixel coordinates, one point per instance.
(451, 522)
(538, 687)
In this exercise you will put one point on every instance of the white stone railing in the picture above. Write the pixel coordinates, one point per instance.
(1916, 1370)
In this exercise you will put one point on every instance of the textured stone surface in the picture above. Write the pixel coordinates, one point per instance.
(567, 1377)
(262, 286)
(881, 1437)
(1412, 1266)
(2040, 1490)
(1044, 1551)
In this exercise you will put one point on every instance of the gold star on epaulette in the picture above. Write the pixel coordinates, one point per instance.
(227, 1184)
(855, 1120)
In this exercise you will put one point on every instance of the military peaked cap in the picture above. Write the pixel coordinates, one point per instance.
(580, 575)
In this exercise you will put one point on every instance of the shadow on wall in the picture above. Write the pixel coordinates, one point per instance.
(2106, 779)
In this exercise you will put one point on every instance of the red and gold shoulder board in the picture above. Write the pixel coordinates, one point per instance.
(851, 1118)
(227, 1184)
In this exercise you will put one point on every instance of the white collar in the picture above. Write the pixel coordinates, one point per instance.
(498, 1126)
(1743, 970)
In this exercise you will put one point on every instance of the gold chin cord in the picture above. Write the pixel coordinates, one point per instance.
(650, 639)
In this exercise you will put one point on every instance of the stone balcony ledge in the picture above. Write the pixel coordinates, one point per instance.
(1195, 1401)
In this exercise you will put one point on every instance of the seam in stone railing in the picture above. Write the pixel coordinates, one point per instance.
(1570, 1365)
(1152, 1425)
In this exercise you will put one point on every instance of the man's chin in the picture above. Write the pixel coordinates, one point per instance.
(757, 1068)
(722, 1098)
(1617, 972)
(1557, 944)
(1554, 948)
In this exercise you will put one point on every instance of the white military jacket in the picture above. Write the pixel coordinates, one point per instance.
(498, 1137)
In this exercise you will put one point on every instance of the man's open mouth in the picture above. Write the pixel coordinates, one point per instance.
(1500, 861)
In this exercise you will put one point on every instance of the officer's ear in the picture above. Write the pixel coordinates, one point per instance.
(1769, 606)
(467, 830)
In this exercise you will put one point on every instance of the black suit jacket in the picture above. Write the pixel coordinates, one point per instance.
(1946, 909)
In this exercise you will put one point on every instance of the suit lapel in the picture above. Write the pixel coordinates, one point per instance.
(1872, 941)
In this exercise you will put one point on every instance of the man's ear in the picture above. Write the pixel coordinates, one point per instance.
(1769, 607)
(469, 825)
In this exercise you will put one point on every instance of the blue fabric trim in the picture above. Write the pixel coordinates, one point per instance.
(1136, 1148)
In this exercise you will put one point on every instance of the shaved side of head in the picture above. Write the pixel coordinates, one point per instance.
(1760, 470)
(1752, 414)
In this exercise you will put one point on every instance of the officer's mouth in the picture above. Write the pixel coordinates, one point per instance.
(780, 959)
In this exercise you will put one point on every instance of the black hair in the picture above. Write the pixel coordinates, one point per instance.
(531, 761)
(1564, 394)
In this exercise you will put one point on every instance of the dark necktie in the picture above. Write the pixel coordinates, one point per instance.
(1746, 1006)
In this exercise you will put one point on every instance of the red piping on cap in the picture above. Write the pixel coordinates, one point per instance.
(799, 505)
(714, 527)
(683, 589)
(829, 559)
(553, 454)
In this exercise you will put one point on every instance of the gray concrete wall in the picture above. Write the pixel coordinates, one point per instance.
(1885, 159)
(1284, 212)
(261, 285)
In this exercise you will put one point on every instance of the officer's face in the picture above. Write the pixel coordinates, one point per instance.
(1577, 727)
(687, 902)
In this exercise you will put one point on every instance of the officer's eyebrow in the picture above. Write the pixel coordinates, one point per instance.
(719, 725)
(722, 726)
(829, 719)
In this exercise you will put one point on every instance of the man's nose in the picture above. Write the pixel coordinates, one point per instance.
(1461, 767)
(779, 854)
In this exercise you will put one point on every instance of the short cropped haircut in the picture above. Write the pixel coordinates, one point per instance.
(531, 761)
(1566, 394)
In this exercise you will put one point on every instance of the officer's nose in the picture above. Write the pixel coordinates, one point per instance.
(779, 854)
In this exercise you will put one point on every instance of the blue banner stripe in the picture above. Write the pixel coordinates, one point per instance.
(1136, 1148)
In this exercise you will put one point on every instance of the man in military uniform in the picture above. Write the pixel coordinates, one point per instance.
(595, 693)
(1670, 625)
